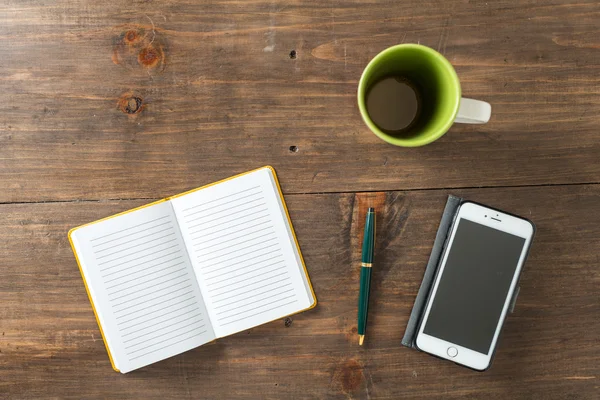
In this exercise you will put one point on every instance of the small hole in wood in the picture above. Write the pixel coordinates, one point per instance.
(288, 322)
(293, 54)
(293, 149)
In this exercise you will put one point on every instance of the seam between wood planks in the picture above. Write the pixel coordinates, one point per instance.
(319, 193)
(449, 188)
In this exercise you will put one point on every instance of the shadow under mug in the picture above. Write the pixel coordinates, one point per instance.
(439, 88)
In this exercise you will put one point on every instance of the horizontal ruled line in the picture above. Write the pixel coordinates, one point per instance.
(243, 248)
(227, 202)
(220, 271)
(222, 204)
(162, 341)
(131, 227)
(150, 280)
(227, 209)
(233, 233)
(233, 213)
(247, 278)
(143, 276)
(222, 287)
(220, 198)
(131, 254)
(129, 234)
(160, 329)
(240, 262)
(135, 259)
(150, 287)
(172, 344)
(249, 272)
(157, 322)
(166, 333)
(247, 291)
(145, 269)
(142, 263)
(229, 245)
(146, 301)
(132, 247)
(254, 295)
(151, 273)
(250, 252)
(153, 305)
(150, 294)
(155, 311)
(258, 301)
(247, 266)
(262, 312)
(221, 223)
(163, 321)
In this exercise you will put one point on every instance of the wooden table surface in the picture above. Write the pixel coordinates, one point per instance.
(107, 105)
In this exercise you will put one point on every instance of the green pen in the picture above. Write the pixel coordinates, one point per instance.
(368, 250)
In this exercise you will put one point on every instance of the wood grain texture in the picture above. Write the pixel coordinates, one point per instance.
(141, 99)
(51, 348)
(219, 94)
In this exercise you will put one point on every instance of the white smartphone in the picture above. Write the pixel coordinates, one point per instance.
(474, 285)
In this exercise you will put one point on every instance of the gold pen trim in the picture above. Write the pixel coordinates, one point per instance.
(366, 265)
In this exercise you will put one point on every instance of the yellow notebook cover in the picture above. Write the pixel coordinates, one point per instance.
(280, 194)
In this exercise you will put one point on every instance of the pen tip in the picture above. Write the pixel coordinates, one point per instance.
(361, 339)
(371, 210)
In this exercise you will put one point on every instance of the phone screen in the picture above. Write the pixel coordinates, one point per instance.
(473, 286)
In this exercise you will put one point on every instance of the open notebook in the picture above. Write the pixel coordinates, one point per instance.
(178, 273)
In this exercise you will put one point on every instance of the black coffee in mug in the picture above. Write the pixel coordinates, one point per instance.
(409, 95)
(394, 104)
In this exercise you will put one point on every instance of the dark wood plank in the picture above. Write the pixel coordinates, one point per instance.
(50, 344)
(219, 94)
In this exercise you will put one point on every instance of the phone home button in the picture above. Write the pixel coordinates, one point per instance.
(452, 351)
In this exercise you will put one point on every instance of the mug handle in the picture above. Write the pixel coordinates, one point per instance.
(473, 111)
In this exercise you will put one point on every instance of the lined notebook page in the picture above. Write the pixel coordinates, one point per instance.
(143, 286)
(243, 253)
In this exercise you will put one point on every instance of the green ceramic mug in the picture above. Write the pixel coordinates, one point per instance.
(439, 89)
